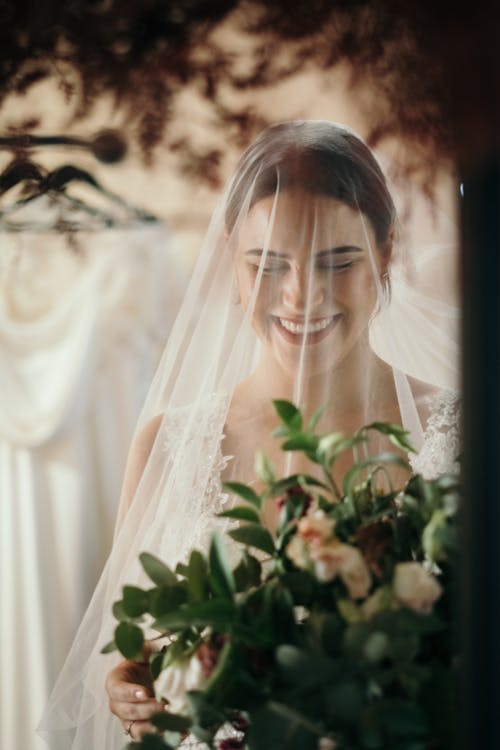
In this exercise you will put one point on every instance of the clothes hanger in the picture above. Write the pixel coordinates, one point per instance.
(53, 184)
(20, 170)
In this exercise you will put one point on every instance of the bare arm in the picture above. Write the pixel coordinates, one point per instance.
(129, 686)
(138, 456)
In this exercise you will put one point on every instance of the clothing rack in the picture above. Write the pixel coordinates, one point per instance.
(108, 146)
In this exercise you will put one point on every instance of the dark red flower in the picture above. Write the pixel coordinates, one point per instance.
(297, 494)
(208, 653)
(374, 540)
(232, 743)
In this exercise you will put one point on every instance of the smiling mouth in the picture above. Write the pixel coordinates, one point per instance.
(296, 331)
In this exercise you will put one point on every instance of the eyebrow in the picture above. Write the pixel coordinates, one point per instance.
(258, 251)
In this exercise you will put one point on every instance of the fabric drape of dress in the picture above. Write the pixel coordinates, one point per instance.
(82, 320)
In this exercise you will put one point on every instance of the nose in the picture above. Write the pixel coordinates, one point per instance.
(302, 290)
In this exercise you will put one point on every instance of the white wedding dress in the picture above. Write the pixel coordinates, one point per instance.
(80, 334)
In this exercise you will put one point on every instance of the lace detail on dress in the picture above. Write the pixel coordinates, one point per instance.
(201, 438)
(442, 443)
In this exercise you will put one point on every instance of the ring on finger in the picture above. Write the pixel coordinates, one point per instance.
(128, 730)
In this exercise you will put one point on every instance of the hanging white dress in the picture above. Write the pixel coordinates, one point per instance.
(80, 334)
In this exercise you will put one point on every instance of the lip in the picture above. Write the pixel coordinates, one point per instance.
(310, 338)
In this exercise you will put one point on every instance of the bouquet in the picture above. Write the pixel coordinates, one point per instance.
(334, 631)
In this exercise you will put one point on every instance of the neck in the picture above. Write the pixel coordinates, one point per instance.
(343, 388)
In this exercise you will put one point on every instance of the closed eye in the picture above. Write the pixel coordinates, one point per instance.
(269, 269)
(335, 266)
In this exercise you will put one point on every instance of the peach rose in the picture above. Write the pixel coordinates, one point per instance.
(414, 587)
(316, 528)
(345, 561)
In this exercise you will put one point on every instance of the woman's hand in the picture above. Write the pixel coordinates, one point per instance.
(131, 697)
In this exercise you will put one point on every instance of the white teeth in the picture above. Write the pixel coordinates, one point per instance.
(312, 327)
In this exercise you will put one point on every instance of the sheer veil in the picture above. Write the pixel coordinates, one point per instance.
(310, 287)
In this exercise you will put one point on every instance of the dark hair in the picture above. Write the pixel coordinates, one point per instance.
(321, 158)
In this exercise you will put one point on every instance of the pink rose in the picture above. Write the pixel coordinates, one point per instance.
(414, 587)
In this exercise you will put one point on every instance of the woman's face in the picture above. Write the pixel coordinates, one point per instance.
(317, 264)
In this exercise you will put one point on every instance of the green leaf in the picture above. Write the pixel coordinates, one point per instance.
(254, 536)
(328, 445)
(118, 611)
(166, 598)
(264, 468)
(129, 640)
(109, 647)
(156, 664)
(157, 570)
(197, 577)
(171, 722)
(288, 413)
(396, 434)
(316, 416)
(216, 613)
(373, 462)
(303, 480)
(135, 601)
(303, 441)
(402, 718)
(247, 573)
(220, 573)
(149, 742)
(241, 513)
(203, 712)
(345, 700)
(243, 491)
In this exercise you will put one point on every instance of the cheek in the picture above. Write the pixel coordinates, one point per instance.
(355, 290)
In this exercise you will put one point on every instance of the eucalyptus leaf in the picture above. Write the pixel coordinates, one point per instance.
(166, 599)
(217, 613)
(109, 647)
(135, 601)
(129, 640)
(157, 570)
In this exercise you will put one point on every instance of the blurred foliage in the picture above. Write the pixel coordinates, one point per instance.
(431, 66)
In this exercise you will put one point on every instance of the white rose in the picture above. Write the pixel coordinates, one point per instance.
(176, 680)
(346, 561)
(414, 587)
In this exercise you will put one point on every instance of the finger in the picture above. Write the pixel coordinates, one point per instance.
(138, 729)
(126, 692)
(135, 711)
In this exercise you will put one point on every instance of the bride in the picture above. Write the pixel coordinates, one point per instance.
(308, 288)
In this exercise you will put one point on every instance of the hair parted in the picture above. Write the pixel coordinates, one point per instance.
(321, 158)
